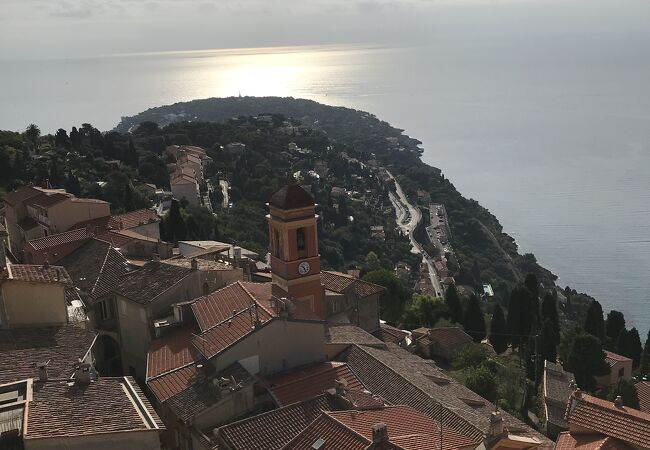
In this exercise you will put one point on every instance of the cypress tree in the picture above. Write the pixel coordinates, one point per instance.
(498, 330)
(532, 285)
(519, 315)
(644, 367)
(587, 360)
(548, 335)
(594, 322)
(453, 303)
(623, 343)
(614, 324)
(549, 312)
(634, 342)
(474, 322)
(176, 228)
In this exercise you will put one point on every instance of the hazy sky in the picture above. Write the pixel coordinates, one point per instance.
(72, 28)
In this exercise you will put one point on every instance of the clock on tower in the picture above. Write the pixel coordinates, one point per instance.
(295, 262)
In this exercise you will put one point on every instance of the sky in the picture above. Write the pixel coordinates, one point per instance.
(36, 29)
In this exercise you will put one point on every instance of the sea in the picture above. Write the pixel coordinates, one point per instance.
(551, 135)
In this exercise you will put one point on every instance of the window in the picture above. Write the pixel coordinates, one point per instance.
(276, 244)
(143, 315)
(104, 313)
(621, 372)
(206, 288)
(300, 239)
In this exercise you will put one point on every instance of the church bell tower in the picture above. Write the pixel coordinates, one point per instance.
(295, 261)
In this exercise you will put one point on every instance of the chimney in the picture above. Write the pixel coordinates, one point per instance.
(379, 433)
(46, 264)
(82, 373)
(618, 402)
(340, 386)
(195, 264)
(42, 370)
(496, 424)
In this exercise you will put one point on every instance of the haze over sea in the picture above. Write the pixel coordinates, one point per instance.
(549, 131)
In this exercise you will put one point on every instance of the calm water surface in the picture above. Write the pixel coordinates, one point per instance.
(552, 136)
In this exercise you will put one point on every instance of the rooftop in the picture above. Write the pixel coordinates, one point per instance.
(643, 392)
(307, 382)
(569, 441)
(62, 408)
(557, 389)
(406, 428)
(68, 237)
(604, 417)
(291, 196)
(145, 284)
(21, 194)
(449, 337)
(339, 282)
(37, 273)
(202, 264)
(95, 268)
(388, 333)
(351, 334)
(262, 431)
(21, 349)
(402, 378)
(612, 358)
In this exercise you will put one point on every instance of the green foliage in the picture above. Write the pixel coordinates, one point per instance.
(586, 361)
(394, 300)
(594, 322)
(498, 330)
(532, 285)
(628, 344)
(614, 324)
(482, 381)
(519, 315)
(424, 310)
(473, 320)
(549, 312)
(372, 262)
(471, 355)
(627, 391)
(548, 337)
(452, 300)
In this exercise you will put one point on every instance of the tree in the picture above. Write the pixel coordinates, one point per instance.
(548, 337)
(132, 155)
(519, 315)
(532, 285)
(482, 381)
(587, 360)
(614, 324)
(635, 347)
(644, 367)
(129, 203)
(627, 391)
(453, 303)
(176, 228)
(32, 133)
(498, 330)
(594, 322)
(372, 261)
(425, 310)
(72, 184)
(394, 299)
(549, 312)
(61, 138)
(470, 355)
(474, 321)
(75, 138)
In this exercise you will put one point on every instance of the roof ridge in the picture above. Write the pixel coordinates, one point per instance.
(101, 270)
(255, 300)
(170, 371)
(341, 424)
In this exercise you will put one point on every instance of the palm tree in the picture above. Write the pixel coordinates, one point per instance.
(32, 133)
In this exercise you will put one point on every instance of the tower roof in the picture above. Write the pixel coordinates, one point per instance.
(291, 196)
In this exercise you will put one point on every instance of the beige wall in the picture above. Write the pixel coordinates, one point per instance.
(151, 230)
(277, 347)
(189, 191)
(29, 304)
(231, 407)
(140, 440)
(65, 214)
(369, 313)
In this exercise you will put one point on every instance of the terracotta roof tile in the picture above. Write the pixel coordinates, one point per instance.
(147, 283)
(407, 429)
(95, 268)
(274, 429)
(351, 334)
(21, 194)
(173, 383)
(302, 384)
(570, 441)
(449, 337)
(643, 392)
(402, 378)
(557, 389)
(106, 405)
(172, 351)
(388, 333)
(219, 306)
(54, 240)
(339, 282)
(602, 416)
(134, 219)
(45, 200)
(612, 358)
(38, 274)
(22, 348)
